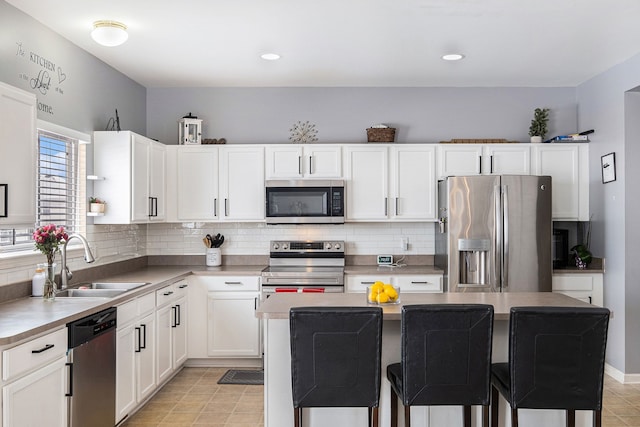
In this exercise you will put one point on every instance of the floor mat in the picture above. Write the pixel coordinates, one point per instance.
(238, 376)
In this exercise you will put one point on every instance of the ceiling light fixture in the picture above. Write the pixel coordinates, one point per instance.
(109, 33)
(453, 57)
(270, 56)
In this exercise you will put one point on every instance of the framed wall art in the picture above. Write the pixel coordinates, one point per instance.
(608, 163)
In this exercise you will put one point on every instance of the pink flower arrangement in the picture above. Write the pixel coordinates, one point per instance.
(48, 238)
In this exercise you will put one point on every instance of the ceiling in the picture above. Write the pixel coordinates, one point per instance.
(333, 43)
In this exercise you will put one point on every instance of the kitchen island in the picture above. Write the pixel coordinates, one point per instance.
(278, 407)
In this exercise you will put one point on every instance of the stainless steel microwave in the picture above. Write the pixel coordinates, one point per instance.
(305, 201)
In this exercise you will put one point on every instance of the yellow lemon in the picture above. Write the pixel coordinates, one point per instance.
(372, 296)
(391, 293)
(382, 298)
(377, 287)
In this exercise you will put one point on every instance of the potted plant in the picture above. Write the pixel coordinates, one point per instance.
(581, 251)
(538, 128)
(96, 205)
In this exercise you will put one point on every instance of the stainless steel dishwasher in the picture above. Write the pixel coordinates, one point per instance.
(92, 373)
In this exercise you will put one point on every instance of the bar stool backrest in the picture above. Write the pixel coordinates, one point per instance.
(556, 357)
(446, 354)
(335, 356)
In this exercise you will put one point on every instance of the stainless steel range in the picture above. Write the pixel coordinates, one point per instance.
(304, 266)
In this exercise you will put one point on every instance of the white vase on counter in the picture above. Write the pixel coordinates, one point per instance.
(213, 257)
(536, 139)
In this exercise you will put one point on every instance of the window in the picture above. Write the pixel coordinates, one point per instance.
(60, 189)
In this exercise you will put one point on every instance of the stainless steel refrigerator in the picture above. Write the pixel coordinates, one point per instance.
(494, 233)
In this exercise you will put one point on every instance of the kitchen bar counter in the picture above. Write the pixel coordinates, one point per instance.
(277, 364)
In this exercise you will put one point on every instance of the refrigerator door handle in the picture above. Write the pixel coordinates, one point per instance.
(505, 216)
(497, 249)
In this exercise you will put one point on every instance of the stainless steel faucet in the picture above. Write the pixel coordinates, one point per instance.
(65, 273)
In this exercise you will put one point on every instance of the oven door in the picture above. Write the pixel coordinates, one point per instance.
(267, 291)
(303, 202)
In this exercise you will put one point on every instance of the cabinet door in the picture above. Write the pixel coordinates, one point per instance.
(125, 371)
(233, 329)
(146, 358)
(179, 332)
(157, 182)
(460, 159)
(139, 178)
(507, 159)
(413, 183)
(283, 161)
(37, 399)
(323, 161)
(197, 188)
(164, 318)
(18, 148)
(366, 173)
(563, 163)
(242, 183)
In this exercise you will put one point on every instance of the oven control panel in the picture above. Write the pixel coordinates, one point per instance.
(307, 246)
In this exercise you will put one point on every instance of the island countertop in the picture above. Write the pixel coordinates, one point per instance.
(277, 306)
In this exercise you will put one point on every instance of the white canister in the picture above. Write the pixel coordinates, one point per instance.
(37, 282)
(214, 257)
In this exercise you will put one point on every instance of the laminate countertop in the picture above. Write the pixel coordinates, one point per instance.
(278, 305)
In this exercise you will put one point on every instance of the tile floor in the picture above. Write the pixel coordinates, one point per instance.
(194, 399)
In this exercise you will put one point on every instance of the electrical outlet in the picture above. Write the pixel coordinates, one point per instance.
(404, 243)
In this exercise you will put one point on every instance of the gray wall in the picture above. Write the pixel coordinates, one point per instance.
(265, 115)
(83, 91)
(615, 205)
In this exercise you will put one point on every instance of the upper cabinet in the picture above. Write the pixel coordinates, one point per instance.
(18, 153)
(483, 159)
(303, 161)
(217, 183)
(386, 182)
(568, 165)
(134, 170)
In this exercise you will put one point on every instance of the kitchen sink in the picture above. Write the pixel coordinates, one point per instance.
(90, 293)
(117, 285)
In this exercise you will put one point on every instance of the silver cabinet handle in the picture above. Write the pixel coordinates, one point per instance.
(215, 206)
(419, 283)
(367, 283)
(386, 210)
(226, 209)
(233, 283)
(396, 205)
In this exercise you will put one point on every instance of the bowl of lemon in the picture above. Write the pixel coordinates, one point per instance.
(383, 293)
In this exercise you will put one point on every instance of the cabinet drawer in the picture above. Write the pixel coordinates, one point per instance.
(33, 354)
(233, 283)
(421, 283)
(180, 288)
(577, 282)
(360, 283)
(146, 304)
(165, 295)
(127, 313)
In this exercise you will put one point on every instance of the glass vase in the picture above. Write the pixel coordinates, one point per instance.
(49, 292)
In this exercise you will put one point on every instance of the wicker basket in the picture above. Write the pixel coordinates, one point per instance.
(381, 134)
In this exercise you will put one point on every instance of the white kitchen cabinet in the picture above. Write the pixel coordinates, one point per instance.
(233, 331)
(35, 372)
(367, 182)
(568, 165)
(18, 152)
(171, 316)
(586, 287)
(135, 354)
(483, 159)
(413, 283)
(134, 170)
(219, 183)
(242, 183)
(303, 161)
(413, 183)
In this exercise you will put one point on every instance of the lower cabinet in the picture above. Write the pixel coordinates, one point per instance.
(35, 381)
(171, 317)
(586, 287)
(414, 283)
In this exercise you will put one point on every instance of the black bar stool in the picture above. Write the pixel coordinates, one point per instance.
(556, 361)
(335, 358)
(446, 359)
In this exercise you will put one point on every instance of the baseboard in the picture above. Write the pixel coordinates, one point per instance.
(223, 363)
(620, 376)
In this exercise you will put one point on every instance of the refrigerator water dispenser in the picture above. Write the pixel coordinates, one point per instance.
(474, 257)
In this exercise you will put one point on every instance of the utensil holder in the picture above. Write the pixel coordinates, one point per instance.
(213, 257)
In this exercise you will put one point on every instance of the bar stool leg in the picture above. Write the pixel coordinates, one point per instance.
(407, 416)
(597, 418)
(571, 418)
(485, 416)
(495, 400)
(467, 416)
(297, 417)
(394, 408)
(514, 417)
(375, 416)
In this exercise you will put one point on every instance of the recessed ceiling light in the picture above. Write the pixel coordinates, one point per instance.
(453, 57)
(109, 33)
(270, 56)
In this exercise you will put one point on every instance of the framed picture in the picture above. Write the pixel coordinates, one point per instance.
(4, 188)
(608, 167)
